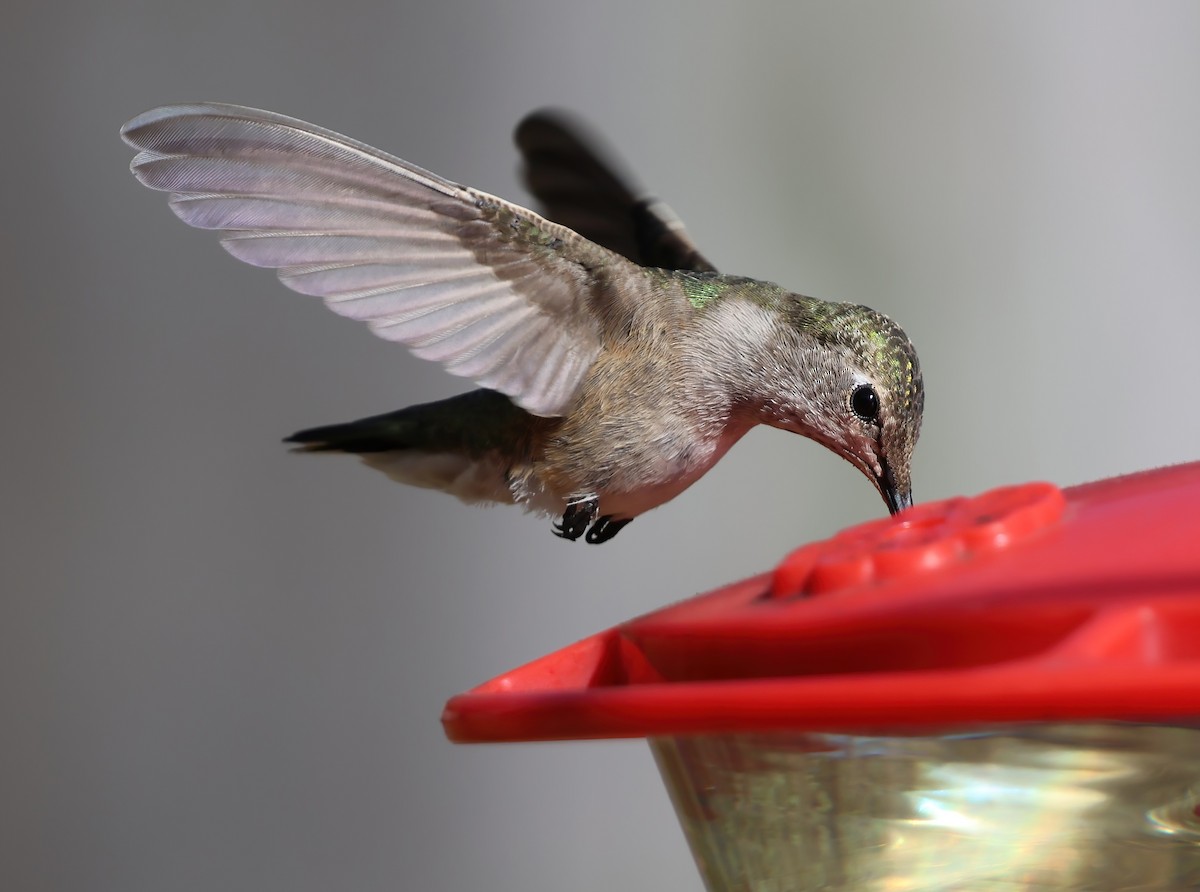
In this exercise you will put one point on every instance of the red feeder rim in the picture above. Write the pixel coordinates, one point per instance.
(1025, 604)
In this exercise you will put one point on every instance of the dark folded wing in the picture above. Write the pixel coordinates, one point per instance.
(492, 291)
(581, 187)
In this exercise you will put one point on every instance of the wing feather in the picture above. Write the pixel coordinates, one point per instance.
(492, 291)
(464, 342)
(580, 183)
(342, 280)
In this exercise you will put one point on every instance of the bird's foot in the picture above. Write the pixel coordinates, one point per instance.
(604, 529)
(577, 518)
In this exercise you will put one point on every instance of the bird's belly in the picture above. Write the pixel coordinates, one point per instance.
(672, 481)
(627, 505)
(487, 479)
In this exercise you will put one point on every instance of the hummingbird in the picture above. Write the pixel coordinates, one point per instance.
(615, 364)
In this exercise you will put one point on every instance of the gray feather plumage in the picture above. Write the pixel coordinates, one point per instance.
(494, 292)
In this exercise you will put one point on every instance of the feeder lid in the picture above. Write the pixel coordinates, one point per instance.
(1024, 604)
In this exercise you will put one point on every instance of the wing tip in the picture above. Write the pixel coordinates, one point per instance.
(132, 129)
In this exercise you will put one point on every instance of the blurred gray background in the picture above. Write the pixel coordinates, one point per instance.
(222, 666)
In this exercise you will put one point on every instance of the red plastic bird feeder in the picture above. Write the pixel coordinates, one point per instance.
(997, 693)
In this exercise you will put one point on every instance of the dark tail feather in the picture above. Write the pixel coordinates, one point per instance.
(471, 423)
(380, 433)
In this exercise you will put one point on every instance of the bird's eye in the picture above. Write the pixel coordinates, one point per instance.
(865, 402)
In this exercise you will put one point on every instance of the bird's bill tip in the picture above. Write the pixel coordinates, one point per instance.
(897, 497)
(897, 501)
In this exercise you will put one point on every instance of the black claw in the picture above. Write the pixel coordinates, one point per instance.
(604, 529)
(577, 518)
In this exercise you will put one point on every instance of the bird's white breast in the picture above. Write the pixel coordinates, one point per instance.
(622, 505)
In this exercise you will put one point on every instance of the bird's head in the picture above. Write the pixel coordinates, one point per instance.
(862, 395)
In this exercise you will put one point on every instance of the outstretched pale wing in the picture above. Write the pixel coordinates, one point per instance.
(580, 185)
(492, 291)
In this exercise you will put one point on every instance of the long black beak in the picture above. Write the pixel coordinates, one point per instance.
(896, 500)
